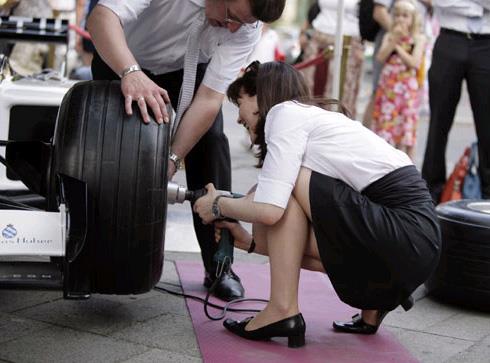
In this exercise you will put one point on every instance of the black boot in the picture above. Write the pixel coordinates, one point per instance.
(229, 286)
(293, 328)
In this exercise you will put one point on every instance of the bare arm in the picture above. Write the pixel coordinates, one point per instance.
(109, 40)
(245, 209)
(108, 36)
(382, 16)
(196, 121)
(387, 47)
(414, 59)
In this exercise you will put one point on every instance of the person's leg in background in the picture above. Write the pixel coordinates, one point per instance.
(445, 79)
(209, 161)
(478, 79)
(353, 74)
(310, 52)
(367, 119)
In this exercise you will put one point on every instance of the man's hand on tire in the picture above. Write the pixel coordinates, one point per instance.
(137, 87)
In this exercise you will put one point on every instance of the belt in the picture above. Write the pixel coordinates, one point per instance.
(464, 34)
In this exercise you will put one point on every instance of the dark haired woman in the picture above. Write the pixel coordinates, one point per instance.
(331, 196)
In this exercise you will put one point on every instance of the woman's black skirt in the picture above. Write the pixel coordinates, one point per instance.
(377, 246)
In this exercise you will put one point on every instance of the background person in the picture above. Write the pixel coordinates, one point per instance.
(267, 48)
(461, 52)
(396, 104)
(306, 31)
(328, 198)
(325, 25)
(26, 58)
(145, 43)
(381, 15)
(84, 47)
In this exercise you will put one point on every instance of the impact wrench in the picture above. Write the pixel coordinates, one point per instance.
(224, 254)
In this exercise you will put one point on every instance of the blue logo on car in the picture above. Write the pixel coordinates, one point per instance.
(9, 231)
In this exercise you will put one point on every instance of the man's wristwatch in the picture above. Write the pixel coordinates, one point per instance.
(130, 69)
(176, 160)
(215, 208)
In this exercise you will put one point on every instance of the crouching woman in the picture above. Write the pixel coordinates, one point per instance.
(331, 196)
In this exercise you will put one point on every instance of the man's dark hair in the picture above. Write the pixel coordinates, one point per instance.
(267, 11)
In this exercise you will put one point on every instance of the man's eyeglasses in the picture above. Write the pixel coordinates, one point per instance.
(228, 20)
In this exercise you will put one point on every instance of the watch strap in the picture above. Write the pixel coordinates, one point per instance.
(215, 207)
(176, 160)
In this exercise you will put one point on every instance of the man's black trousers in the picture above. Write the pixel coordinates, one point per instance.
(208, 161)
(457, 57)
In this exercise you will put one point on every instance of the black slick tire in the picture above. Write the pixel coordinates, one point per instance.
(124, 163)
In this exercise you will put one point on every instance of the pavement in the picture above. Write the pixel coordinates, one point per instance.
(39, 326)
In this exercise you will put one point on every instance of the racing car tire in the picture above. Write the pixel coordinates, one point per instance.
(123, 162)
(462, 276)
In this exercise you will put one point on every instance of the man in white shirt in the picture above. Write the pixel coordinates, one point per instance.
(144, 42)
(461, 52)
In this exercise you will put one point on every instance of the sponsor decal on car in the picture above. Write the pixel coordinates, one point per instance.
(9, 231)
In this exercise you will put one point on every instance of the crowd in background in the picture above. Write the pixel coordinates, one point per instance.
(389, 112)
(423, 51)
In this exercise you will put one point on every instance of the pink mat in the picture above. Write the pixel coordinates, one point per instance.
(319, 305)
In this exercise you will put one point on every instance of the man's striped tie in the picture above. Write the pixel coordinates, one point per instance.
(190, 66)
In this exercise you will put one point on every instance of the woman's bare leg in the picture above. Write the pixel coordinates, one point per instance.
(290, 244)
(286, 242)
(311, 258)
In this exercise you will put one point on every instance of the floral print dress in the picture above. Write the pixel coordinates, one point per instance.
(395, 114)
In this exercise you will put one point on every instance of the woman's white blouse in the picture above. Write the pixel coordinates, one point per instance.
(326, 142)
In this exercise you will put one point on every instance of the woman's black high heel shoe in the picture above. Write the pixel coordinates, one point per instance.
(293, 328)
(358, 326)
